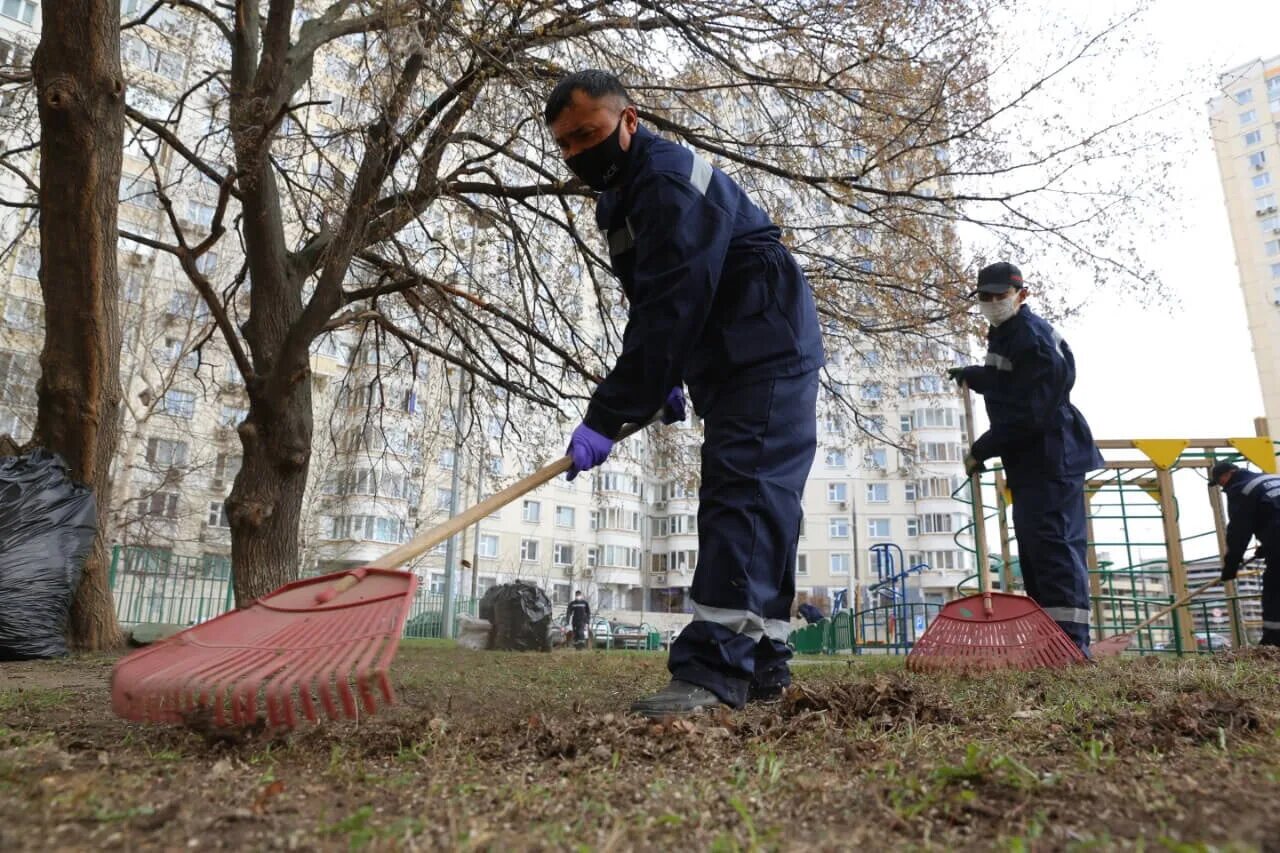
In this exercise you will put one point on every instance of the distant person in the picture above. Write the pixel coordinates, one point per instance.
(579, 616)
(1253, 509)
(810, 613)
(1042, 440)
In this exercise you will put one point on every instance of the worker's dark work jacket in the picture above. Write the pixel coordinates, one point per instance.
(1026, 383)
(696, 260)
(1046, 448)
(579, 613)
(1253, 509)
(718, 303)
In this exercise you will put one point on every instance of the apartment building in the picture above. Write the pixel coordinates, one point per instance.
(393, 452)
(1244, 121)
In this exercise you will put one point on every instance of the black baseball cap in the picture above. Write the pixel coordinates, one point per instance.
(997, 278)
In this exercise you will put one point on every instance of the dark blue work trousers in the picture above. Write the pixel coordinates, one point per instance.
(1050, 525)
(760, 438)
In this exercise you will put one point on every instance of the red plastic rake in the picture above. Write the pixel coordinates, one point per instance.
(304, 645)
(990, 630)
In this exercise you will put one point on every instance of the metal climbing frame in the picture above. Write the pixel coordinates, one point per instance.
(1134, 511)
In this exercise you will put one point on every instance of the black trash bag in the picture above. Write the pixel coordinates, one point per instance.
(520, 614)
(47, 525)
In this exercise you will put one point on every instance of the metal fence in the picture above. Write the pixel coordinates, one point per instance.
(156, 586)
(887, 629)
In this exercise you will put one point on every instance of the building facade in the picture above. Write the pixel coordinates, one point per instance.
(1245, 120)
(394, 454)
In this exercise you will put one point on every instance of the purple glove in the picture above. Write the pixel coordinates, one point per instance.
(588, 449)
(674, 409)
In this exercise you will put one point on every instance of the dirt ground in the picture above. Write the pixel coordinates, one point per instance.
(508, 751)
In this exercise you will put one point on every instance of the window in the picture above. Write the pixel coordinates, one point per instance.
(437, 584)
(802, 564)
(207, 263)
(1253, 137)
(1270, 223)
(913, 527)
(444, 498)
(836, 459)
(904, 424)
(878, 528)
(838, 527)
(528, 550)
(180, 404)
(562, 554)
(910, 491)
(838, 564)
(166, 453)
(531, 511)
(937, 522)
(1248, 116)
(560, 593)
(225, 468)
(877, 457)
(872, 391)
(23, 314)
(1244, 96)
(564, 516)
(200, 213)
(13, 54)
(871, 358)
(448, 458)
(1275, 270)
(1272, 248)
(1265, 203)
(231, 416)
(837, 492)
(164, 504)
(1258, 159)
(831, 425)
(186, 303)
(487, 546)
(1260, 181)
(936, 418)
(218, 514)
(28, 265)
(1273, 84)
(877, 493)
(19, 10)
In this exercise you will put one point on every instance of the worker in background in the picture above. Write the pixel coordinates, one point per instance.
(1253, 509)
(715, 301)
(579, 617)
(809, 612)
(1043, 442)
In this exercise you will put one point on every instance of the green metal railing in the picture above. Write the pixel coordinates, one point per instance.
(886, 629)
(155, 586)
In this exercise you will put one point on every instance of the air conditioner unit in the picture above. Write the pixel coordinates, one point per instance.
(659, 504)
(659, 579)
(588, 572)
(844, 505)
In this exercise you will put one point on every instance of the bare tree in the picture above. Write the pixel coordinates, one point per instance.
(371, 159)
(80, 90)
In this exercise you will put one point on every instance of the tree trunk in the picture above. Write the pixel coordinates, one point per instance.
(81, 97)
(265, 505)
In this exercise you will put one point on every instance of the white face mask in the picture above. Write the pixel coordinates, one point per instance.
(1000, 310)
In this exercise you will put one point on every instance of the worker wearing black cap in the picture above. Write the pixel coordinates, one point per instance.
(1253, 509)
(1042, 440)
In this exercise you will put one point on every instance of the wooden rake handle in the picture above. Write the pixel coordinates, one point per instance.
(979, 514)
(1181, 602)
(433, 537)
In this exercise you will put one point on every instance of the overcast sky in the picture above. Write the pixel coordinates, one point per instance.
(1184, 369)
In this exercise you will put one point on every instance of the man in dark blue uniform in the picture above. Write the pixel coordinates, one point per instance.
(579, 616)
(1253, 509)
(1042, 440)
(717, 302)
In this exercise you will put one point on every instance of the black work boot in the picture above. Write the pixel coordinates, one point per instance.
(677, 699)
(765, 694)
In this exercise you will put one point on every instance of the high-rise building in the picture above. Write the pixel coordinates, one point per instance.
(387, 462)
(1245, 121)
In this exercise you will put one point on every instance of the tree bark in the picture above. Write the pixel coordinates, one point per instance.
(81, 102)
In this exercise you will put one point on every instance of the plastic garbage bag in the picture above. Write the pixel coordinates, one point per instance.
(520, 614)
(47, 525)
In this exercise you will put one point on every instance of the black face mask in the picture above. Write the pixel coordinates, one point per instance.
(600, 165)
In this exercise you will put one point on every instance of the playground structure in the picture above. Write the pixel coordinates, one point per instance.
(1134, 509)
